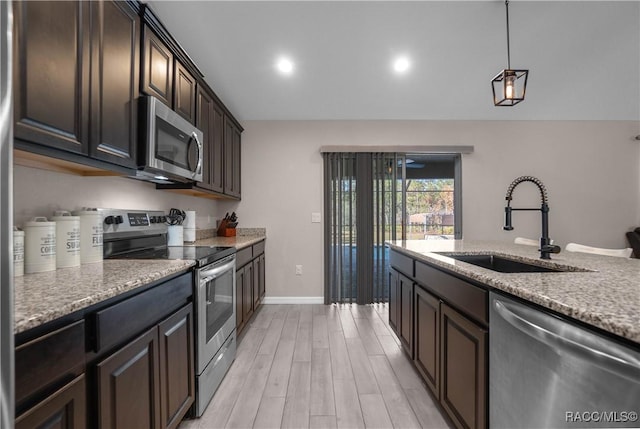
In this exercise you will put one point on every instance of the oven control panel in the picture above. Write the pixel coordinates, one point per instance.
(142, 222)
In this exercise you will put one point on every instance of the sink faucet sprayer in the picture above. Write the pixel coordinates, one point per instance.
(546, 248)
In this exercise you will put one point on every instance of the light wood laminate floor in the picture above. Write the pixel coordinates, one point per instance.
(320, 366)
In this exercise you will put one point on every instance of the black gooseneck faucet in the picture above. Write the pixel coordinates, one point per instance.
(546, 248)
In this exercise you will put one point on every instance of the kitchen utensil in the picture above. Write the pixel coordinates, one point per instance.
(39, 245)
(18, 252)
(175, 217)
(67, 239)
(91, 230)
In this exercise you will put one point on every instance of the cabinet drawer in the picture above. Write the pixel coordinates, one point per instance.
(402, 263)
(258, 249)
(244, 256)
(463, 295)
(47, 359)
(129, 317)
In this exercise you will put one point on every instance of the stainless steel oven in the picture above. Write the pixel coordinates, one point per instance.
(216, 327)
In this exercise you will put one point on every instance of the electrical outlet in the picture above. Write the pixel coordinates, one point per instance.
(298, 270)
(316, 217)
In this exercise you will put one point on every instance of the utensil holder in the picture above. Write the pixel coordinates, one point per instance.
(175, 235)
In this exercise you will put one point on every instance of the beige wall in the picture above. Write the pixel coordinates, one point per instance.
(591, 170)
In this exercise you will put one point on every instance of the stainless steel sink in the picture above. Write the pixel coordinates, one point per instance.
(502, 264)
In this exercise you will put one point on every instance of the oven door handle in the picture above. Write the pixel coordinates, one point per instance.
(215, 272)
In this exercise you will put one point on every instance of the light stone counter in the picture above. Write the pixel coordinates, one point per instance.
(43, 297)
(608, 297)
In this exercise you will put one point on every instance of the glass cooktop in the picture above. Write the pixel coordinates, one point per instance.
(203, 255)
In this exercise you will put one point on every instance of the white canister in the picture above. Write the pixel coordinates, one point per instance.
(189, 235)
(189, 220)
(39, 245)
(67, 239)
(18, 252)
(90, 235)
(175, 235)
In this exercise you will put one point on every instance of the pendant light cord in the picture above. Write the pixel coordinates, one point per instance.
(506, 4)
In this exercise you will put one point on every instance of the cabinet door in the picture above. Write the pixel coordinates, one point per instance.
(427, 338)
(65, 408)
(262, 276)
(256, 283)
(240, 300)
(406, 313)
(177, 377)
(463, 369)
(157, 68)
(394, 302)
(129, 386)
(115, 54)
(51, 74)
(204, 122)
(184, 93)
(247, 301)
(216, 148)
(232, 159)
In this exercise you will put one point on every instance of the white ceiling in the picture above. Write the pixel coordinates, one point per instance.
(583, 56)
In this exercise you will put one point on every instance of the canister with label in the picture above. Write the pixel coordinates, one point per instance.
(90, 235)
(18, 252)
(67, 239)
(39, 245)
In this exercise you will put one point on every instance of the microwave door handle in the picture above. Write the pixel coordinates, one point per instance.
(194, 136)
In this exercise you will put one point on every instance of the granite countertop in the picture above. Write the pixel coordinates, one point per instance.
(43, 297)
(606, 296)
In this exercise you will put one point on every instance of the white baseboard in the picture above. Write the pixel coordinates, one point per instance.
(293, 300)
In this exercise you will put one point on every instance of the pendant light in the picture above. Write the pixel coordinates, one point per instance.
(509, 86)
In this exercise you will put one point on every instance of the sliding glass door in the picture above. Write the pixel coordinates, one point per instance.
(370, 198)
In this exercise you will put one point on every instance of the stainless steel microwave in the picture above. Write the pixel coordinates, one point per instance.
(171, 147)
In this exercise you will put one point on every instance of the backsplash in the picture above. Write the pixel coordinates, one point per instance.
(41, 192)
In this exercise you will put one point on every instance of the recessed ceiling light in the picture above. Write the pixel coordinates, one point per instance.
(285, 66)
(401, 64)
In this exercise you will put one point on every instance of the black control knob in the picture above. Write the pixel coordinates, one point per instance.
(163, 219)
(109, 220)
(152, 219)
(118, 219)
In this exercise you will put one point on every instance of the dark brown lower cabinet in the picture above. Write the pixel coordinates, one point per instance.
(150, 382)
(63, 409)
(405, 286)
(250, 282)
(394, 322)
(463, 369)
(177, 377)
(247, 288)
(128, 385)
(427, 338)
(240, 320)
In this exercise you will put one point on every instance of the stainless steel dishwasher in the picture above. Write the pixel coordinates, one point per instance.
(549, 372)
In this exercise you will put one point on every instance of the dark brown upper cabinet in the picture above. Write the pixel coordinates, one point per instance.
(157, 68)
(51, 74)
(115, 81)
(184, 93)
(77, 77)
(232, 159)
(210, 120)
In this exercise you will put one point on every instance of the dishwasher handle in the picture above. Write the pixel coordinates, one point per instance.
(613, 359)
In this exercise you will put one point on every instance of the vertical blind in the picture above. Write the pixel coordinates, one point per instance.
(360, 210)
